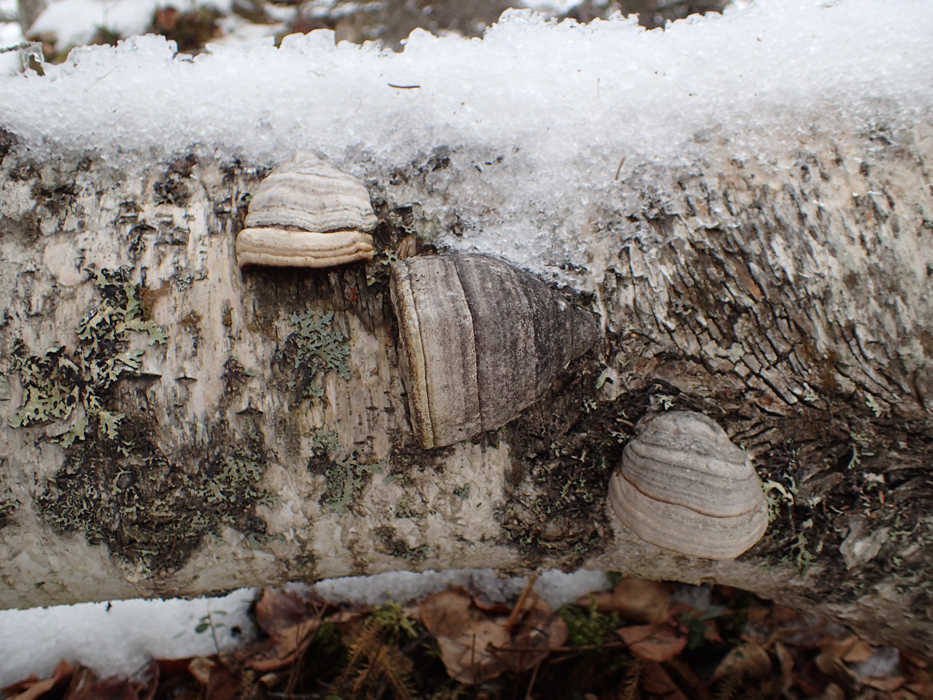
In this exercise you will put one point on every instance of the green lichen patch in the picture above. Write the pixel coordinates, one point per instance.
(61, 379)
(152, 510)
(314, 348)
(344, 473)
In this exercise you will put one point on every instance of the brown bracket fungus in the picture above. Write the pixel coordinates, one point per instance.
(480, 342)
(685, 486)
(307, 213)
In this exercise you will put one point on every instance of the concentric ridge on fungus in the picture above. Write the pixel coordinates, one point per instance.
(307, 213)
(685, 486)
(480, 342)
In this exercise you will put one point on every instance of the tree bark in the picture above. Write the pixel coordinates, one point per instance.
(174, 426)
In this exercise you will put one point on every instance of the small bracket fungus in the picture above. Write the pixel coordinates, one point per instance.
(307, 213)
(685, 486)
(480, 342)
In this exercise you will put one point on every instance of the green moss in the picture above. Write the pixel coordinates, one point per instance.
(588, 627)
(59, 380)
(345, 475)
(315, 348)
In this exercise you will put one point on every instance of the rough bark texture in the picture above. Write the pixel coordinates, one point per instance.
(263, 440)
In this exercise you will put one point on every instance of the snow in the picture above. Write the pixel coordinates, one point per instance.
(545, 110)
(77, 21)
(556, 107)
(119, 638)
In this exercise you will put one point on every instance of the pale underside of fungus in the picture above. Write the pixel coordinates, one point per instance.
(480, 342)
(685, 486)
(307, 213)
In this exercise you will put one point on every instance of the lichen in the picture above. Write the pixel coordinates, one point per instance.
(314, 348)
(344, 473)
(149, 508)
(59, 380)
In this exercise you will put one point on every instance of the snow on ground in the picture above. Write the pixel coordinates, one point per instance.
(120, 638)
(562, 104)
(77, 21)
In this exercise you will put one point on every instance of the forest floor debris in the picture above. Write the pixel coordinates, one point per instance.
(643, 639)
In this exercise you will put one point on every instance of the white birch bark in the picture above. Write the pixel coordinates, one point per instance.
(788, 298)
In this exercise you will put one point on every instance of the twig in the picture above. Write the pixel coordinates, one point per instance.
(517, 610)
(619, 169)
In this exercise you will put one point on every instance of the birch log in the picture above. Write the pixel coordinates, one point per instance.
(173, 426)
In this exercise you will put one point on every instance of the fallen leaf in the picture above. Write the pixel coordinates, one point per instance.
(32, 687)
(887, 685)
(634, 599)
(478, 644)
(859, 651)
(222, 685)
(655, 681)
(748, 660)
(465, 634)
(284, 647)
(653, 642)
(535, 631)
(200, 669)
(277, 610)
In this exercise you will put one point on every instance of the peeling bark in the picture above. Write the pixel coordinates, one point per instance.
(787, 298)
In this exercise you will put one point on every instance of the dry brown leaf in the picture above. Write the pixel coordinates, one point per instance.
(32, 687)
(445, 614)
(200, 669)
(465, 634)
(653, 642)
(748, 660)
(830, 662)
(657, 682)
(106, 689)
(222, 685)
(832, 692)
(887, 685)
(634, 599)
(277, 610)
(478, 644)
(36, 690)
(534, 633)
(284, 647)
(920, 690)
(786, 662)
(859, 651)
(85, 685)
(471, 657)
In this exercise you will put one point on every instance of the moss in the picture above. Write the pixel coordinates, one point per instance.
(345, 475)
(588, 627)
(59, 380)
(313, 349)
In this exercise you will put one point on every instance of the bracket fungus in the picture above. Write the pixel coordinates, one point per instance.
(685, 486)
(480, 342)
(307, 213)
